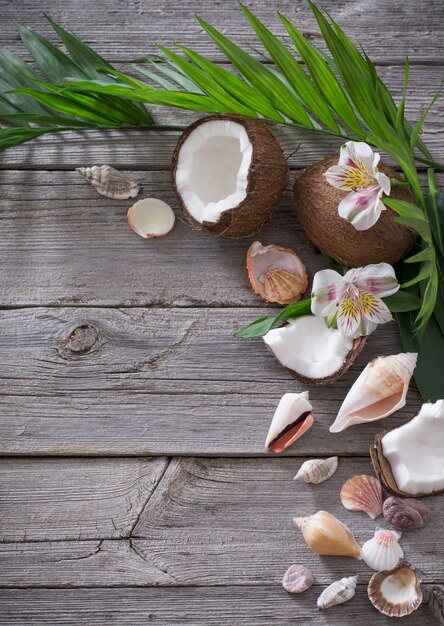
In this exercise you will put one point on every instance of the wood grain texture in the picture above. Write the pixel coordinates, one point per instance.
(242, 606)
(121, 31)
(153, 150)
(56, 499)
(62, 243)
(159, 382)
(210, 522)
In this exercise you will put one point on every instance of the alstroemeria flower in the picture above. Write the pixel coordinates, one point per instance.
(353, 302)
(357, 172)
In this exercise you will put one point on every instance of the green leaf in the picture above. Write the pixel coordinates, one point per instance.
(261, 77)
(425, 272)
(428, 254)
(402, 301)
(435, 211)
(421, 227)
(261, 326)
(208, 84)
(39, 118)
(417, 129)
(405, 209)
(429, 370)
(400, 113)
(324, 78)
(235, 86)
(293, 72)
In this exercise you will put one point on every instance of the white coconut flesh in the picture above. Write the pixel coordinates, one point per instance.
(308, 347)
(151, 217)
(212, 169)
(415, 451)
(264, 257)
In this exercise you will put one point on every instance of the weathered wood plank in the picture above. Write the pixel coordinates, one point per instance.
(62, 243)
(153, 150)
(176, 381)
(78, 499)
(243, 606)
(209, 522)
(124, 31)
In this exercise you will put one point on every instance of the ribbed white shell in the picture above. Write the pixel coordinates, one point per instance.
(338, 592)
(383, 551)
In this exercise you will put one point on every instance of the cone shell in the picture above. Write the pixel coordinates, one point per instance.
(276, 274)
(382, 552)
(362, 493)
(396, 592)
(338, 592)
(380, 390)
(326, 535)
(266, 180)
(297, 579)
(110, 182)
(293, 417)
(317, 470)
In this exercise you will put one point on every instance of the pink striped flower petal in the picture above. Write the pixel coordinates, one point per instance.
(377, 278)
(328, 288)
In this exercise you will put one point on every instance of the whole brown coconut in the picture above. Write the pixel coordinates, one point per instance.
(212, 162)
(317, 208)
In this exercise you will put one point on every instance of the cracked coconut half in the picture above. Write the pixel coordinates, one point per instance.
(229, 174)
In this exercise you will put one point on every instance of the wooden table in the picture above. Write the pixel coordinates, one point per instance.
(134, 487)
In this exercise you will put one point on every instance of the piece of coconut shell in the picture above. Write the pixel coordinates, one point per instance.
(383, 470)
(317, 204)
(358, 346)
(267, 181)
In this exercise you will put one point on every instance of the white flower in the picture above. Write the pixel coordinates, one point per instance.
(353, 301)
(357, 172)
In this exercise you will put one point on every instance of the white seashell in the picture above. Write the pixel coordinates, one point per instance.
(297, 579)
(338, 592)
(293, 417)
(379, 391)
(396, 592)
(110, 182)
(383, 551)
(151, 217)
(317, 470)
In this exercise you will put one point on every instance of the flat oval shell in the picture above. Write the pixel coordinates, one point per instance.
(297, 579)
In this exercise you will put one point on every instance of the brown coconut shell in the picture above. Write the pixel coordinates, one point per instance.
(358, 345)
(317, 208)
(384, 473)
(267, 181)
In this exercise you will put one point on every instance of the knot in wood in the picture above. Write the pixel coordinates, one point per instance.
(82, 339)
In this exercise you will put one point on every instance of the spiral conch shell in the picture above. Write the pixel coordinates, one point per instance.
(362, 493)
(110, 182)
(338, 592)
(326, 535)
(317, 470)
(380, 390)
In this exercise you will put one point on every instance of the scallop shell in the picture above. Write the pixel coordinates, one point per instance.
(325, 534)
(396, 592)
(317, 470)
(362, 493)
(338, 592)
(405, 513)
(293, 417)
(110, 182)
(276, 274)
(382, 552)
(297, 579)
(379, 391)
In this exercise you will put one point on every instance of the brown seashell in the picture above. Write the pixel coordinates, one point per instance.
(276, 274)
(110, 182)
(362, 493)
(405, 513)
(396, 592)
(326, 535)
(297, 579)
